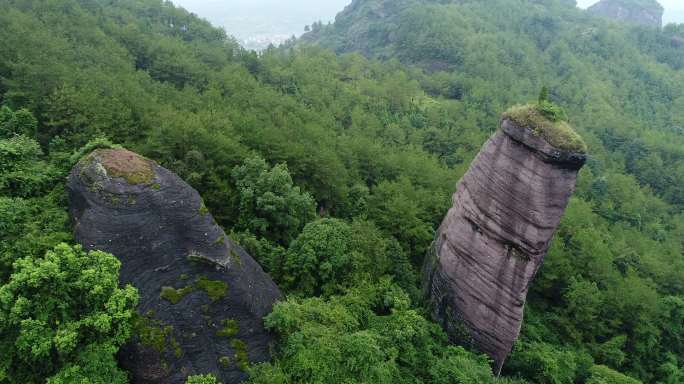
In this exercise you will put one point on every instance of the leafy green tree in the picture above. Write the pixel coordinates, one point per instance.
(672, 319)
(543, 95)
(23, 173)
(28, 228)
(319, 260)
(331, 254)
(461, 366)
(6, 115)
(545, 363)
(548, 109)
(64, 316)
(93, 365)
(366, 335)
(600, 374)
(202, 379)
(269, 254)
(270, 205)
(584, 303)
(404, 211)
(611, 353)
(21, 122)
(670, 372)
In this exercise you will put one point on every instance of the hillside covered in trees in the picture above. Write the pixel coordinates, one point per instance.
(332, 161)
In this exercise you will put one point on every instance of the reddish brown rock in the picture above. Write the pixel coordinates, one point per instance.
(494, 238)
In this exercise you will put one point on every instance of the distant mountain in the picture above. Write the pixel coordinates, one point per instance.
(644, 12)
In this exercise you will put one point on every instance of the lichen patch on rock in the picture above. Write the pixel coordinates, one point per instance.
(128, 165)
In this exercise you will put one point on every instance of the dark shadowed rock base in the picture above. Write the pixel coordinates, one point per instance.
(494, 238)
(202, 297)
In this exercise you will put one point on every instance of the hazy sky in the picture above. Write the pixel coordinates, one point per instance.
(257, 22)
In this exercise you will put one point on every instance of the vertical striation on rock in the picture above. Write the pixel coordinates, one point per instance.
(494, 238)
(643, 12)
(202, 297)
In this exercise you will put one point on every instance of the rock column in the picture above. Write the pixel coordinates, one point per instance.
(494, 238)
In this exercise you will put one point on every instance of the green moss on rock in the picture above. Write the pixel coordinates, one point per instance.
(203, 210)
(177, 350)
(152, 333)
(224, 362)
(173, 295)
(557, 133)
(219, 240)
(125, 164)
(229, 328)
(241, 357)
(236, 257)
(215, 289)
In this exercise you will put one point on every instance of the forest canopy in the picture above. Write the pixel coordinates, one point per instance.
(336, 160)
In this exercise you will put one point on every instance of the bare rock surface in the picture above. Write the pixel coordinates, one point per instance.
(202, 297)
(495, 237)
(644, 12)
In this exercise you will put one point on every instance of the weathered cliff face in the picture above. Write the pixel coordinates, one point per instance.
(644, 12)
(494, 238)
(202, 297)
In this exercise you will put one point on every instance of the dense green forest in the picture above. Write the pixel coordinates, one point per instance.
(334, 169)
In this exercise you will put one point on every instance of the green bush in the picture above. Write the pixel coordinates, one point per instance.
(548, 121)
(21, 122)
(202, 379)
(368, 335)
(600, 374)
(545, 363)
(270, 205)
(319, 260)
(23, 172)
(331, 255)
(59, 311)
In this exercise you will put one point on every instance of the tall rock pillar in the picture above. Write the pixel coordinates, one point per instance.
(494, 238)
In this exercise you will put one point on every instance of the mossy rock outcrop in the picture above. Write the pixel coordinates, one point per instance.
(559, 134)
(194, 282)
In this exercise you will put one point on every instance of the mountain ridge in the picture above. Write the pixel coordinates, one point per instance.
(643, 12)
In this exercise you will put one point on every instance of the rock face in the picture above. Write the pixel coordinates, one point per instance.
(359, 19)
(495, 237)
(644, 12)
(202, 297)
